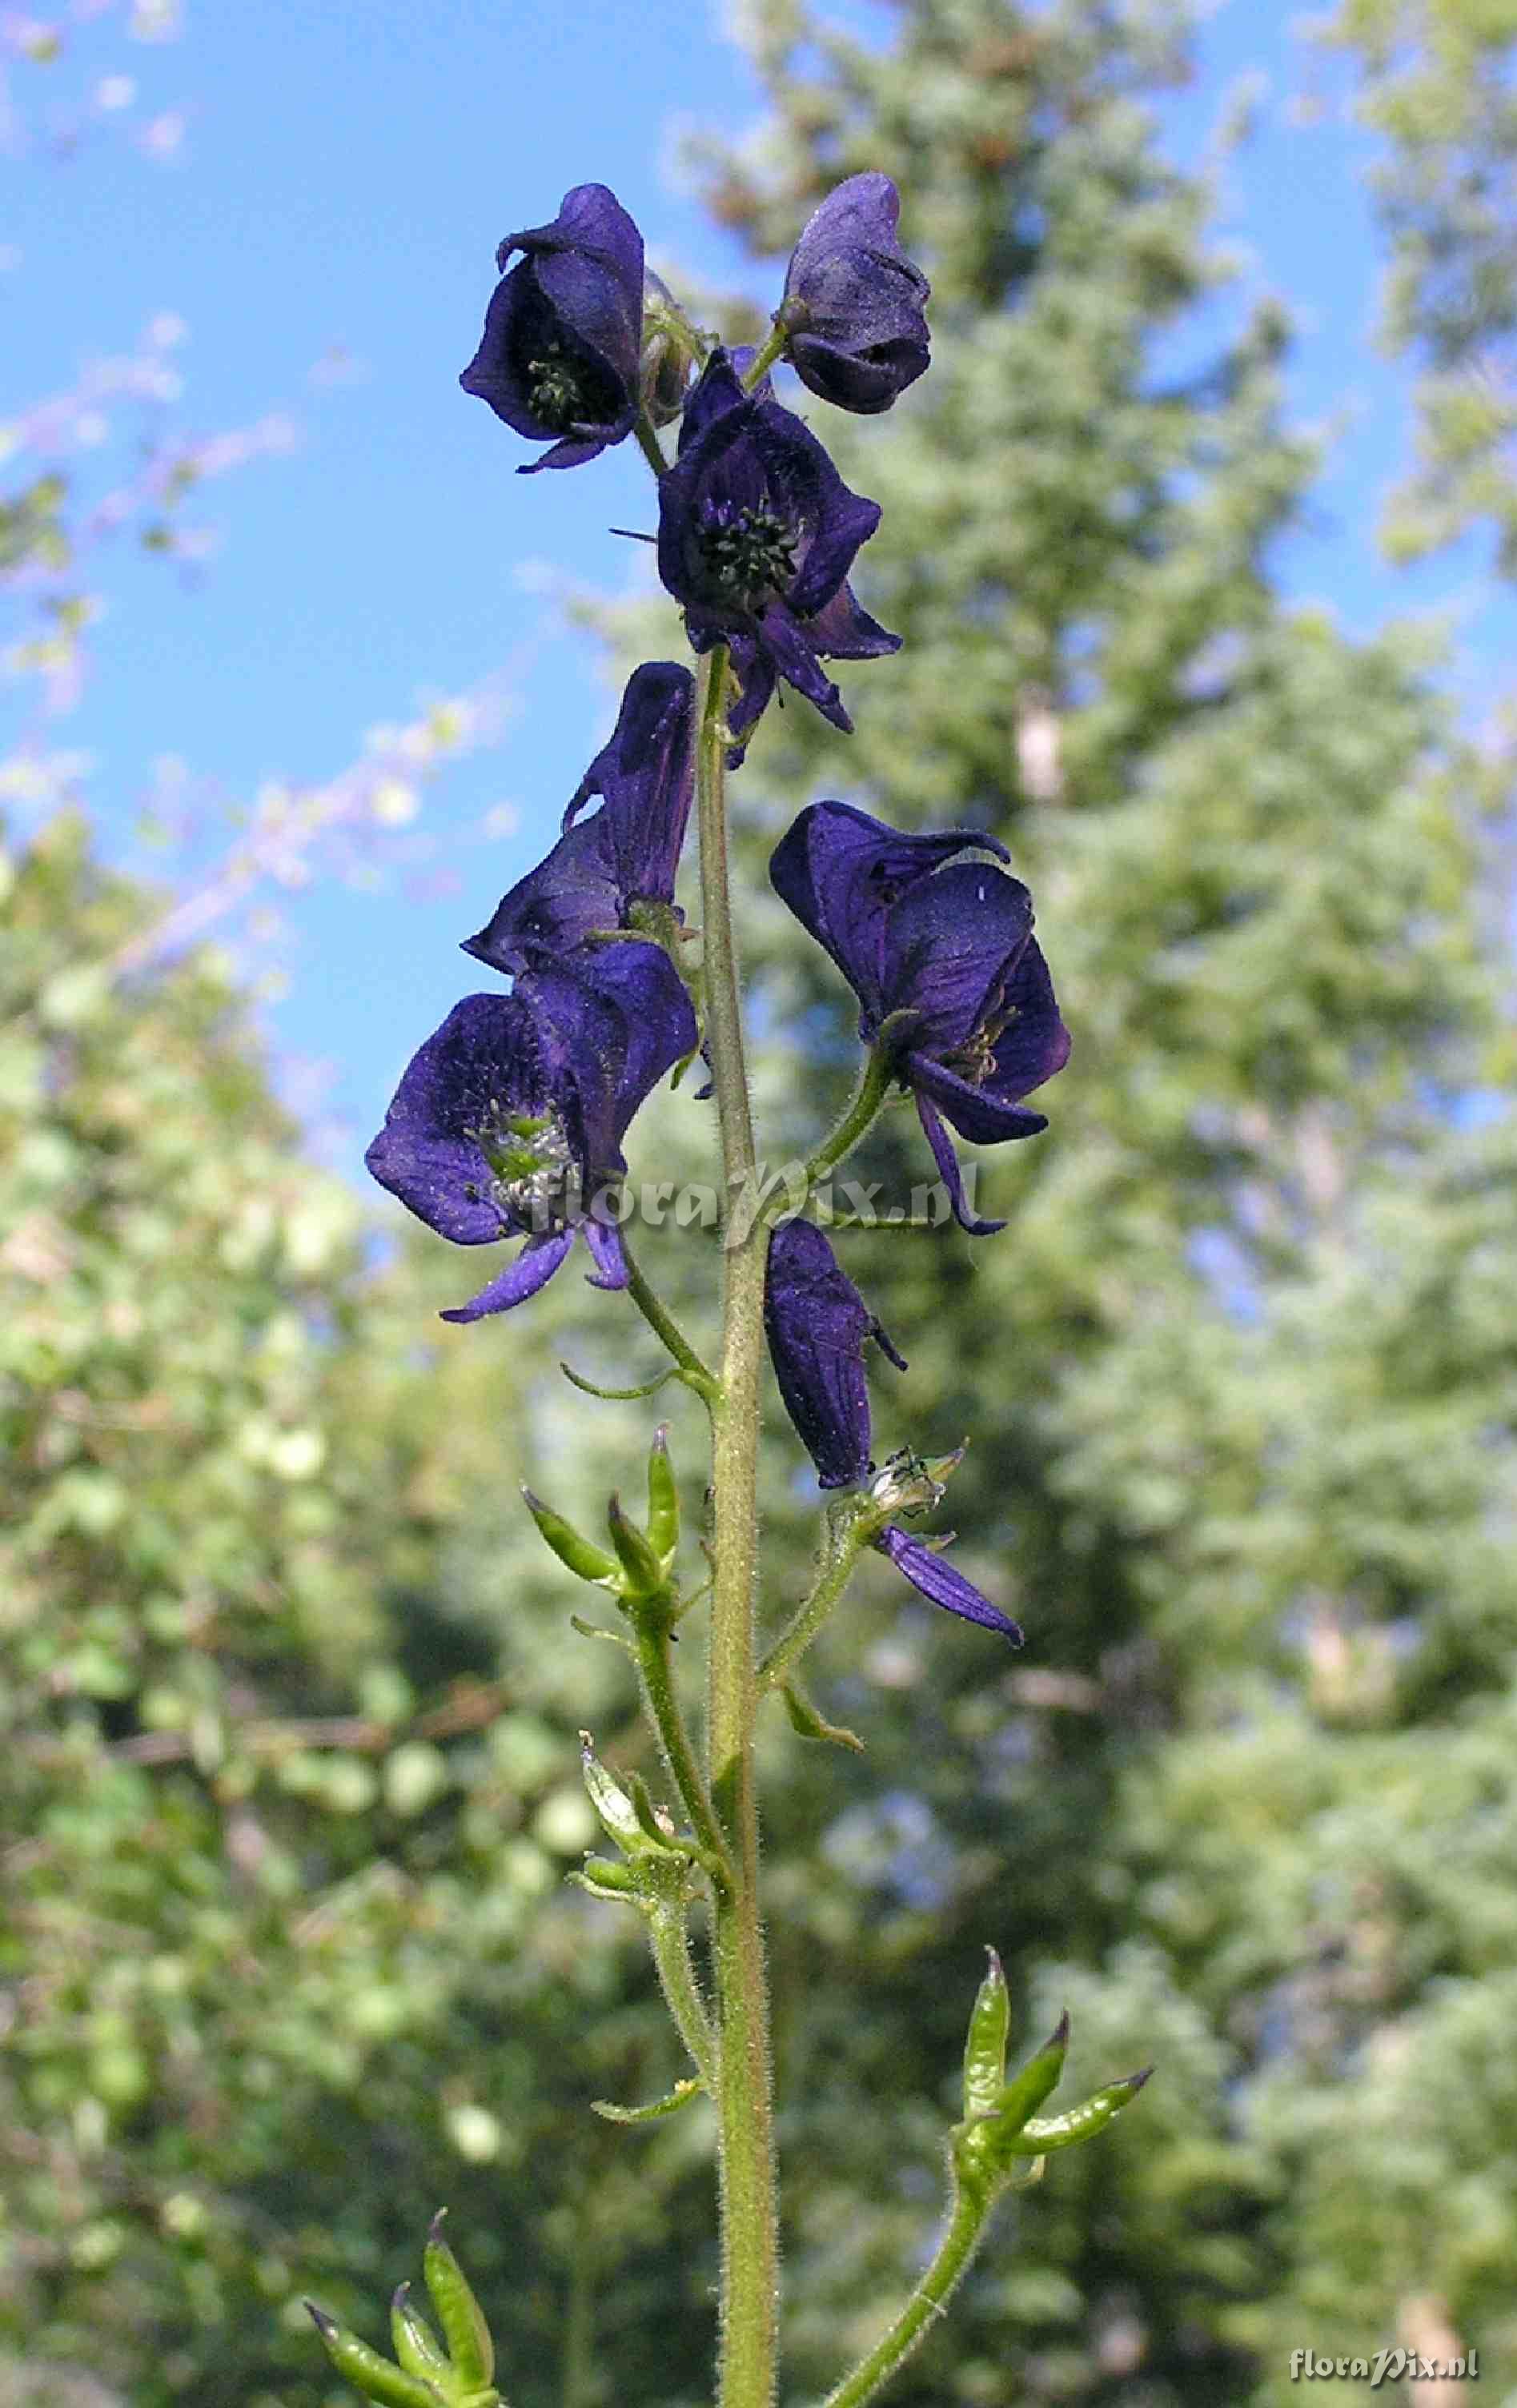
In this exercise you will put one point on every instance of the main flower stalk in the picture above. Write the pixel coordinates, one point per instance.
(745, 2123)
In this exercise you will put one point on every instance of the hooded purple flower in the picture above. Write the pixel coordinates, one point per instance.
(943, 951)
(757, 532)
(854, 301)
(562, 336)
(817, 1323)
(510, 1120)
(628, 851)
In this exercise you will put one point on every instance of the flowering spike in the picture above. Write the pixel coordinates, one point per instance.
(459, 2313)
(576, 1553)
(984, 2049)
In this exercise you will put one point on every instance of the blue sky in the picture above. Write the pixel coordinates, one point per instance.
(342, 179)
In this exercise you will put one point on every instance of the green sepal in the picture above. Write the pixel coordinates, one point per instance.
(459, 2313)
(663, 1501)
(984, 2047)
(416, 2346)
(805, 1719)
(642, 1575)
(681, 2095)
(1039, 2135)
(578, 1553)
(619, 1396)
(367, 2371)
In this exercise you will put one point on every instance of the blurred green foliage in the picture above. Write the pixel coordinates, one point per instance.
(289, 1773)
(1439, 87)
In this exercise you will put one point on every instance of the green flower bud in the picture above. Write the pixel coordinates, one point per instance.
(367, 2371)
(587, 1562)
(1062, 2132)
(459, 2313)
(1026, 2091)
(663, 1501)
(415, 2343)
(642, 1574)
(984, 2049)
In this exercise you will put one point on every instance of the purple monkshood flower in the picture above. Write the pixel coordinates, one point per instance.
(757, 532)
(854, 301)
(817, 1324)
(943, 951)
(628, 851)
(560, 351)
(510, 1120)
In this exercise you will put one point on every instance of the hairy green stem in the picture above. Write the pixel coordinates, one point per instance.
(749, 2245)
(841, 1548)
(649, 444)
(768, 352)
(859, 1114)
(651, 1649)
(966, 2220)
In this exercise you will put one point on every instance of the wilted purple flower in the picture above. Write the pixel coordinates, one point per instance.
(510, 1120)
(560, 351)
(943, 952)
(757, 532)
(629, 852)
(854, 301)
(817, 1323)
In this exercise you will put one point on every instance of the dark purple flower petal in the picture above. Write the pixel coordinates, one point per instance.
(486, 1066)
(855, 302)
(571, 894)
(561, 350)
(646, 775)
(534, 1267)
(839, 870)
(604, 1239)
(941, 953)
(757, 534)
(937, 1581)
(953, 942)
(508, 1121)
(817, 1323)
(949, 1171)
(628, 851)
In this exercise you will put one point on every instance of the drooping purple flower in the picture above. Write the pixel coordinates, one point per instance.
(628, 851)
(854, 301)
(561, 345)
(509, 1120)
(817, 1324)
(942, 950)
(757, 532)
(817, 1321)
